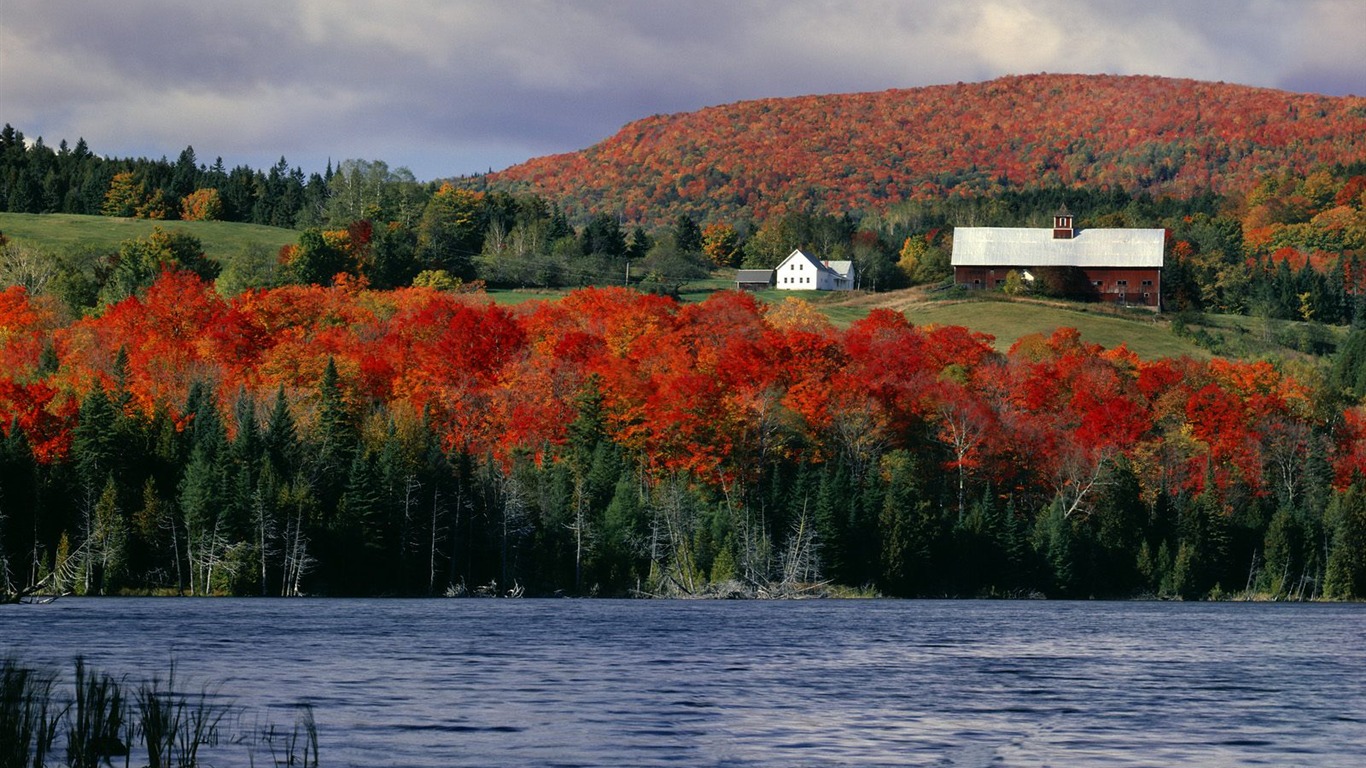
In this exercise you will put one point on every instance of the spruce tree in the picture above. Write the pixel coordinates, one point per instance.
(1345, 577)
(281, 437)
(335, 439)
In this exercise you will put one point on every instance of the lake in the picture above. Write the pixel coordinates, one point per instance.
(821, 682)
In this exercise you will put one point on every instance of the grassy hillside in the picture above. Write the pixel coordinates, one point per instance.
(1149, 336)
(58, 231)
(1008, 321)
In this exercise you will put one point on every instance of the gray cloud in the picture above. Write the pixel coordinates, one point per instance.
(459, 87)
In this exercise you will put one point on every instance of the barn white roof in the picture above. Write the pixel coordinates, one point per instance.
(1035, 247)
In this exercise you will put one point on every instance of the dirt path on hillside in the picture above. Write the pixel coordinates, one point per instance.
(906, 298)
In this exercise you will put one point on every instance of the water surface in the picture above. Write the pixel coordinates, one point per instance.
(649, 683)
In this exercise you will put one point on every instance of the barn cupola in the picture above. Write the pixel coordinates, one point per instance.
(1062, 225)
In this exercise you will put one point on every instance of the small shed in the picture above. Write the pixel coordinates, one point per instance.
(753, 279)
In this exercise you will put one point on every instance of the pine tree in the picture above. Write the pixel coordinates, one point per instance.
(281, 437)
(205, 541)
(334, 441)
(909, 527)
(1055, 545)
(1345, 577)
(94, 441)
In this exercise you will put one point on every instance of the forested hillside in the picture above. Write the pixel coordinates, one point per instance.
(866, 152)
(340, 440)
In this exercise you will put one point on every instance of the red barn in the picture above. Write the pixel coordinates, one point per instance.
(1123, 266)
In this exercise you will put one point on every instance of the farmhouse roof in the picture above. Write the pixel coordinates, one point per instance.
(842, 268)
(1036, 247)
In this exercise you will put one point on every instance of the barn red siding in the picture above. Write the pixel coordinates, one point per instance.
(1120, 285)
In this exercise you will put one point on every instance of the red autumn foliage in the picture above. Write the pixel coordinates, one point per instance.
(868, 151)
(712, 389)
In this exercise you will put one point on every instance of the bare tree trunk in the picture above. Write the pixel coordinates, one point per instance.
(406, 538)
(175, 556)
(579, 516)
(431, 552)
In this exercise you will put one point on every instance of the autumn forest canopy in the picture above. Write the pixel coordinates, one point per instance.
(351, 414)
(345, 440)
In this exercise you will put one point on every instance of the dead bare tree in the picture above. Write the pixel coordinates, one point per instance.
(801, 560)
(675, 519)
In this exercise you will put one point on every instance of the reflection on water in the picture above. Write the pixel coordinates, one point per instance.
(579, 682)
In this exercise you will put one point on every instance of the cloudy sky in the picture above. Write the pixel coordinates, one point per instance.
(450, 87)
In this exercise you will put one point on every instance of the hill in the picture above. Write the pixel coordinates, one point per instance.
(869, 151)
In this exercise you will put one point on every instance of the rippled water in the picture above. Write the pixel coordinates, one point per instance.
(600, 682)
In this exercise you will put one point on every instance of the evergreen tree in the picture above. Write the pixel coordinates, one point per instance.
(94, 440)
(1345, 576)
(1055, 544)
(281, 438)
(1202, 554)
(357, 534)
(621, 561)
(1117, 526)
(834, 505)
(686, 234)
(206, 543)
(335, 439)
(1281, 552)
(910, 528)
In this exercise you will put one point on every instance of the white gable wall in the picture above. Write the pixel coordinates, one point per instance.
(798, 272)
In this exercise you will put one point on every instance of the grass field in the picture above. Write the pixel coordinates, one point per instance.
(222, 240)
(1008, 321)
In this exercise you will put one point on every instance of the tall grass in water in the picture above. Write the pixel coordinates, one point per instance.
(29, 715)
(299, 747)
(96, 731)
(163, 723)
(174, 725)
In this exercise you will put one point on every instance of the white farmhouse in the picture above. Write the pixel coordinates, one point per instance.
(800, 272)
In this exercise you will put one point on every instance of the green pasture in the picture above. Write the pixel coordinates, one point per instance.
(222, 240)
(1147, 335)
